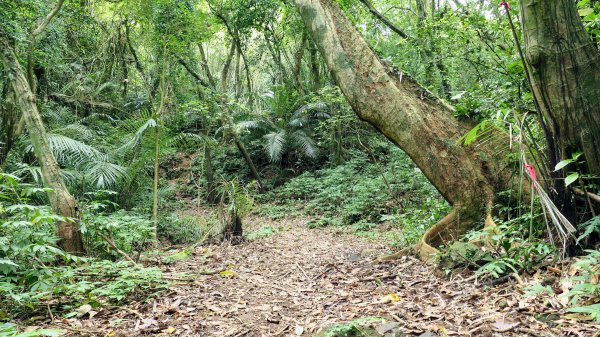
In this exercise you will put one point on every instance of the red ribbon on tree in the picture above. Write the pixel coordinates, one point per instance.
(532, 174)
(505, 4)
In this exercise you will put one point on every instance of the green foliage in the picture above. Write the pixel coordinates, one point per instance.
(514, 250)
(131, 232)
(236, 199)
(27, 239)
(262, 232)
(589, 11)
(572, 176)
(584, 295)
(356, 328)
(29, 258)
(182, 229)
(105, 282)
(179, 256)
(362, 192)
(589, 227)
(10, 330)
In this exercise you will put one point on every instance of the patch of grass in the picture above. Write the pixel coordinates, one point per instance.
(179, 256)
(262, 232)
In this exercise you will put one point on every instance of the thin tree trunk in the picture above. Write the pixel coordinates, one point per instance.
(61, 200)
(384, 20)
(31, 47)
(226, 66)
(123, 58)
(209, 175)
(9, 119)
(238, 83)
(298, 63)
(411, 117)
(248, 160)
(136, 60)
(205, 66)
(156, 157)
(246, 67)
(155, 181)
(314, 67)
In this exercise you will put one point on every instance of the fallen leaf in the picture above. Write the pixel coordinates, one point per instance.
(84, 309)
(227, 273)
(389, 299)
(504, 326)
(169, 330)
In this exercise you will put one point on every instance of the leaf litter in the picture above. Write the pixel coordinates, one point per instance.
(298, 281)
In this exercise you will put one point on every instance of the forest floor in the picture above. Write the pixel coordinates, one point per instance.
(296, 281)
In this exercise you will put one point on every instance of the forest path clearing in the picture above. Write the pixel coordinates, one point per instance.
(297, 280)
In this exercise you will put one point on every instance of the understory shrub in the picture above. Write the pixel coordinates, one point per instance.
(36, 274)
(361, 191)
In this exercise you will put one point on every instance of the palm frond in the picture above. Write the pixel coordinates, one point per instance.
(97, 115)
(244, 125)
(296, 123)
(275, 144)
(28, 171)
(305, 143)
(58, 116)
(319, 110)
(105, 174)
(188, 139)
(105, 86)
(68, 149)
(78, 131)
(139, 134)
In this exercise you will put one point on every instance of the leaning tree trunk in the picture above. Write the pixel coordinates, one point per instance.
(411, 117)
(564, 65)
(61, 200)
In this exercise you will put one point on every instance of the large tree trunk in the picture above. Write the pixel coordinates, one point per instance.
(61, 200)
(564, 65)
(411, 117)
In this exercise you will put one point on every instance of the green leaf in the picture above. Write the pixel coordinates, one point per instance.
(562, 164)
(582, 3)
(585, 11)
(593, 309)
(571, 178)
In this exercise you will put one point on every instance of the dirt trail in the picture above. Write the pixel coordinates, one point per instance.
(298, 280)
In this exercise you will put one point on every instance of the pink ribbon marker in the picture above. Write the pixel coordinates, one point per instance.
(532, 174)
(505, 4)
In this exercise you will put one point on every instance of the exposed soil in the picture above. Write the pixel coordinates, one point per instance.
(298, 280)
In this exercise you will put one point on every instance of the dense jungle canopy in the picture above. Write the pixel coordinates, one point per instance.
(156, 153)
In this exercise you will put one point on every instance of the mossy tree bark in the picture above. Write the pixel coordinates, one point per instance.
(564, 65)
(411, 117)
(61, 200)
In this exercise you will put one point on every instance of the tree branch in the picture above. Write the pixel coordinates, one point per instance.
(114, 246)
(48, 18)
(193, 73)
(384, 20)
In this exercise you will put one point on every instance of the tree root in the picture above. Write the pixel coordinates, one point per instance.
(442, 232)
(434, 234)
(403, 252)
(426, 252)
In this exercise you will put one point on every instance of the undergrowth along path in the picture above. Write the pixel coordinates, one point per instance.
(297, 280)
